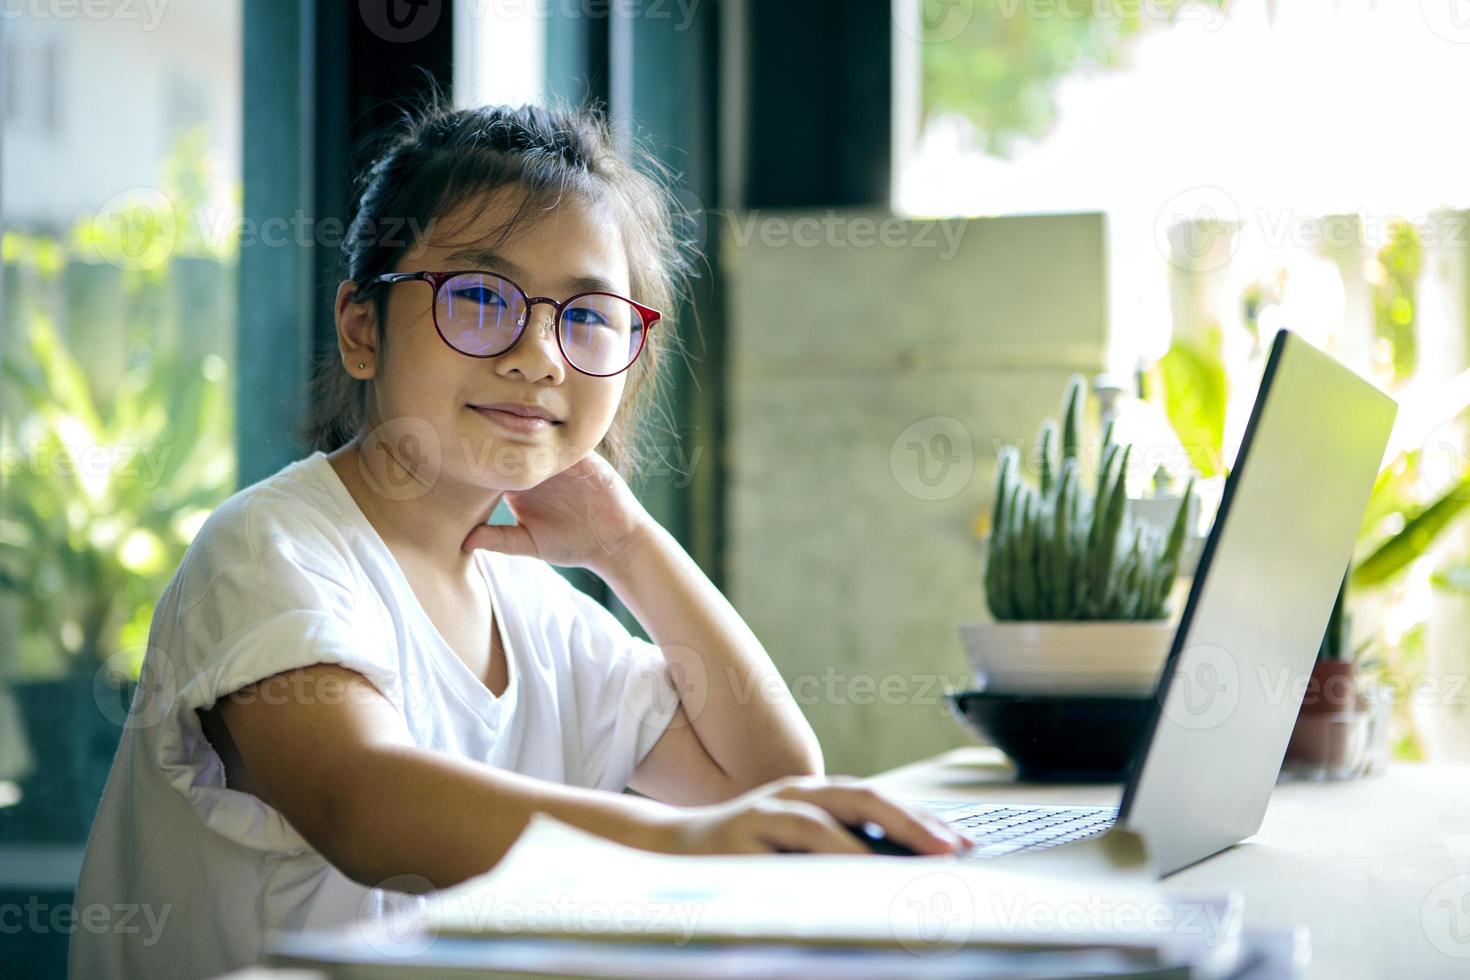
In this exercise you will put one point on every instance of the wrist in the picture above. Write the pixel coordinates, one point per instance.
(624, 555)
(660, 829)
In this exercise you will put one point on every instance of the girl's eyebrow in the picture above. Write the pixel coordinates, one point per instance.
(491, 262)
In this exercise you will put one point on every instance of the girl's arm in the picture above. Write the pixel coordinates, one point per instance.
(738, 726)
(336, 759)
(329, 752)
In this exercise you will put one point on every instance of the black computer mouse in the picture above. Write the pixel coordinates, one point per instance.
(878, 842)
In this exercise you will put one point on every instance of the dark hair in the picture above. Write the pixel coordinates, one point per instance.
(435, 158)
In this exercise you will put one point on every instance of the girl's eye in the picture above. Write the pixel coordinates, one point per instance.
(482, 295)
(584, 317)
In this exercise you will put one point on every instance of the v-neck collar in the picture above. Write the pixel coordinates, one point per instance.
(448, 660)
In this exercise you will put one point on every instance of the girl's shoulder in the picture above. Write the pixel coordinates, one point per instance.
(290, 517)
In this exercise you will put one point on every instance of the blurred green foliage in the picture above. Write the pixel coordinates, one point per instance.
(96, 510)
(113, 449)
(1397, 268)
(1192, 382)
(1000, 71)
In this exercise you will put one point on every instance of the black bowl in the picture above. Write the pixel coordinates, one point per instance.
(1058, 737)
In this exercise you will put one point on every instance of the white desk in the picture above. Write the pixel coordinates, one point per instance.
(1378, 869)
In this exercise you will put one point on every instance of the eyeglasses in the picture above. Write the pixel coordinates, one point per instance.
(481, 314)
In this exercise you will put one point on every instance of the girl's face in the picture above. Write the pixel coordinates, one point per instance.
(425, 390)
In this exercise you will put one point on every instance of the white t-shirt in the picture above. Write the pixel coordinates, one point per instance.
(289, 572)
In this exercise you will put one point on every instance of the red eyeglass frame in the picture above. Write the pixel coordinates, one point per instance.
(437, 280)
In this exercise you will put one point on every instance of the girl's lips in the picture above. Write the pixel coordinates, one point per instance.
(523, 424)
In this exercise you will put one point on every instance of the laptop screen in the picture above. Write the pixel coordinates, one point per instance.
(1258, 606)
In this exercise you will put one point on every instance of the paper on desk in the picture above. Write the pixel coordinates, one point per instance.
(557, 880)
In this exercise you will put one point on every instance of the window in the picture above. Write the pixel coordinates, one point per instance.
(119, 201)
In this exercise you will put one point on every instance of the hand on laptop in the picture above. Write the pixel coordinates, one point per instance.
(812, 814)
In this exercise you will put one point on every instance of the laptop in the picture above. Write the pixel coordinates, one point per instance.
(1258, 607)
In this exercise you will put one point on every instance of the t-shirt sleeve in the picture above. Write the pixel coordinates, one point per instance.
(252, 600)
(624, 697)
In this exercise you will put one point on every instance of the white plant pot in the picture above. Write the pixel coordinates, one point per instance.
(1159, 513)
(1121, 658)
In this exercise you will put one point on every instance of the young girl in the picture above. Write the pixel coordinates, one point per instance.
(356, 688)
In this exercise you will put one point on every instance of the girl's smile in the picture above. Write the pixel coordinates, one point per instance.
(519, 422)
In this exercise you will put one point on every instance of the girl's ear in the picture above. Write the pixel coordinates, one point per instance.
(356, 331)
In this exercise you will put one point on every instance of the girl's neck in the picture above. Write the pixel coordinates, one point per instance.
(427, 519)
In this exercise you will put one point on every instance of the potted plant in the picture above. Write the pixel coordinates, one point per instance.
(1334, 726)
(1408, 538)
(99, 504)
(1079, 588)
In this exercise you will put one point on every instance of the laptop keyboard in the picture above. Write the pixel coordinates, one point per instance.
(999, 829)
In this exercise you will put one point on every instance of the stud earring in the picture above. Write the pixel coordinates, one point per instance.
(360, 364)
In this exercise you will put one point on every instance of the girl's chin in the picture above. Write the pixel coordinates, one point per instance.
(515, 465)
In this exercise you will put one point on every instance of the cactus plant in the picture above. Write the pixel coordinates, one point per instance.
(1060, 552)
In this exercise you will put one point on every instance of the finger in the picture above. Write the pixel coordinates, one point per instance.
(920, 831)
(510, 539)
(803, 827)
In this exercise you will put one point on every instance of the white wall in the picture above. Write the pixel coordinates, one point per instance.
(851, 552)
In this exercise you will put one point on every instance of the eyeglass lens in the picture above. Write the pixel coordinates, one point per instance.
(482, 314)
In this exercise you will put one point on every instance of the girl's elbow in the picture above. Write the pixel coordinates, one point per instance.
(803, 761)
